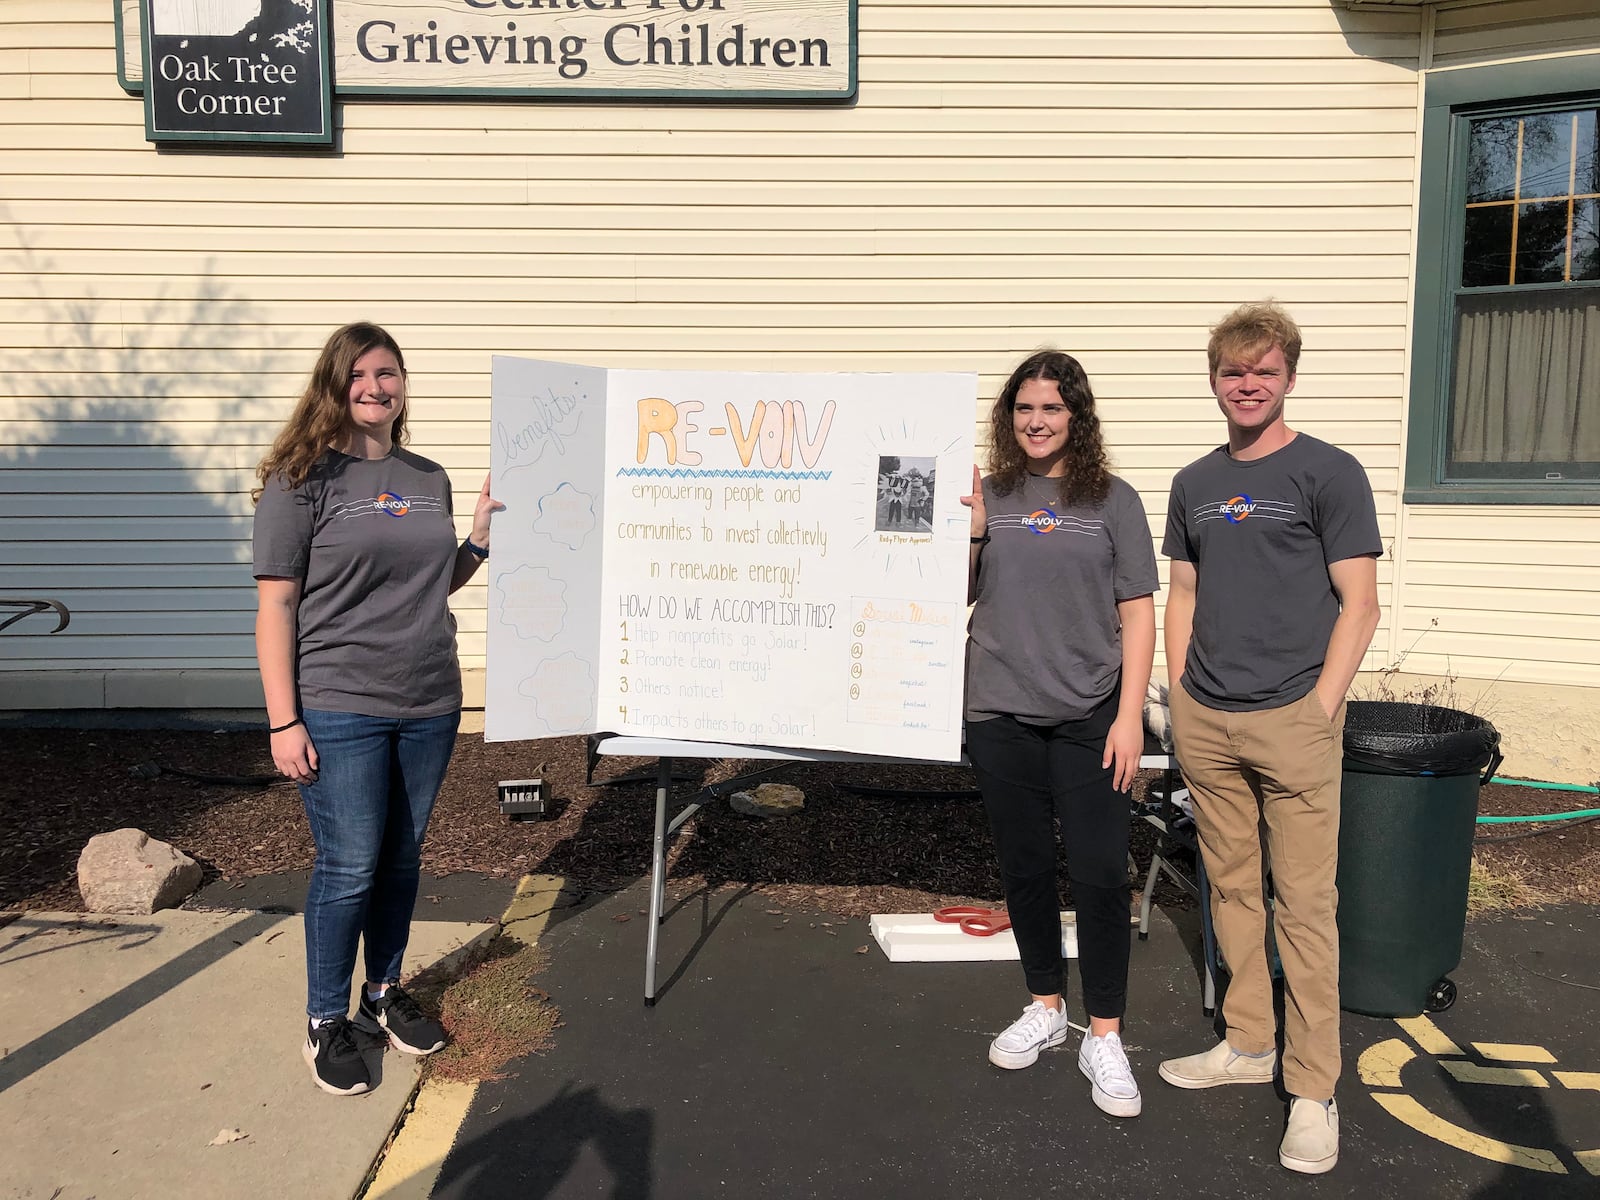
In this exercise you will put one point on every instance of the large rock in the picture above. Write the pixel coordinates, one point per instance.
(128, 871)
(768, 800)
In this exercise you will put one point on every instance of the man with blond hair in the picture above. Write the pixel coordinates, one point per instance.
(1274, 599)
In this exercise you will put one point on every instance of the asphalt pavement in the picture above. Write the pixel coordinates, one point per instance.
(785, 1057)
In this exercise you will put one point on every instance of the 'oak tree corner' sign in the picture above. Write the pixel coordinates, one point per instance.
(247, 71)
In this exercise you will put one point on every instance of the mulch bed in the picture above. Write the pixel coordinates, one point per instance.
(846, 853)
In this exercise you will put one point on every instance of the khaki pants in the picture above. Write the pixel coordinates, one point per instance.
(1272, 775)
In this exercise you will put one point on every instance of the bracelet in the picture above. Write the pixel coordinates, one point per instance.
(290, 725)
(978, 541)
(478, 552)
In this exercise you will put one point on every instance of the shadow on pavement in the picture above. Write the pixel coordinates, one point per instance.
(24, 1060)
(576, 1120)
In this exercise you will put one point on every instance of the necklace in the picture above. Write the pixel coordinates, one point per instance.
(1047, 487)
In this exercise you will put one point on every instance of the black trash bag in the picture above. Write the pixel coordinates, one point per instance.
(1387, 737)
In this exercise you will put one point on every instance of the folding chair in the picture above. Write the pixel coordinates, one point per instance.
(1165, 806)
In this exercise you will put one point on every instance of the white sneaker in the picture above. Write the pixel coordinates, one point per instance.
(1103, 1062)
(1218, 1066)
(1311, 1141)
(1038, 1028)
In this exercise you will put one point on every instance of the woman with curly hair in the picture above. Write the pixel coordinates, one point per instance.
(1062, 578)
(355, 554)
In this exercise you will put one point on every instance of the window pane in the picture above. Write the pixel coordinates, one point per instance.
(1586, 239)
(1486, 257)
(1587, 176)
(1492, 160)
(1525, 389)
(1524, 223)
(1542, 242)
(1519, 397)
(1546, 155)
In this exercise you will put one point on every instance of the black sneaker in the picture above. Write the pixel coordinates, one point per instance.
(396, 1015)
(335, 1061)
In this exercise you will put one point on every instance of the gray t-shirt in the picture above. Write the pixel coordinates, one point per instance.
(1045, 642)
(374, 547)
(1261, 534)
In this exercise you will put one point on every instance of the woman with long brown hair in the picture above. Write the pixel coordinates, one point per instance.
(1062, 579)
(355, 555)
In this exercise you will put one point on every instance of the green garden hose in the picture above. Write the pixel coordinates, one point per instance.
(1583, 815)
(1566, 816)
(1549, 787)
(1544, 787)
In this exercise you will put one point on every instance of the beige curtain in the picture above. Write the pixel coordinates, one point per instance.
(1527, 378)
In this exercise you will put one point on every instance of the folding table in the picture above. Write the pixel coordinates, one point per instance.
(1165, 817)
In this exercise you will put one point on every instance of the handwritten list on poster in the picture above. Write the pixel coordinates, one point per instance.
(780, 564)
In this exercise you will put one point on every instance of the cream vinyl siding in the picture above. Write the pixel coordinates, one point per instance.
(1503, 591)
(1109, 178)
(1513, 591)
(1513, 29)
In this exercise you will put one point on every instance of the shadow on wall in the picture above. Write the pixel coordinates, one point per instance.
(1390, 35)
(132, 427)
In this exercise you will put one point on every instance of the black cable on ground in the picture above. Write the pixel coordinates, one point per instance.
(150, 770)
(1528, 833)
(864, 789)
(1553, 979)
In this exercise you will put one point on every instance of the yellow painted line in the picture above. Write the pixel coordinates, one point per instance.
(1588, 1081)
(1511, 1052)
(1379, 1065)
(529, 912)
(411, 1165)
(1406, 1110)
(1589, 1160)
(1467, 1072)
(415, 1155)
(1428, 1035)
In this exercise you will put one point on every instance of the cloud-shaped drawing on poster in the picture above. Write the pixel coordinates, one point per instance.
(533, 602)
(566, 515)
(562, 691)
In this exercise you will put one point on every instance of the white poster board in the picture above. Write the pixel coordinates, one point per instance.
(759, 558)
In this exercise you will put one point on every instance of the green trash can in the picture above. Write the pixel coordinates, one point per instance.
(1408, 813)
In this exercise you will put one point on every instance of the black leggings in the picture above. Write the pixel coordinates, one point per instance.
(1029, 774)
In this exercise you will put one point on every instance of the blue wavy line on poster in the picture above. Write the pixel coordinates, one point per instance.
(719, 473)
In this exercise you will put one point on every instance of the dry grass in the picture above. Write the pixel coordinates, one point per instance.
(493, 1012)
(1498, 888)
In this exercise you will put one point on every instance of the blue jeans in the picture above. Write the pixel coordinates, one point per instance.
(377, 778)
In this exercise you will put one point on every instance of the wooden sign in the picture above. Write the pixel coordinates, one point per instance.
(236, 71)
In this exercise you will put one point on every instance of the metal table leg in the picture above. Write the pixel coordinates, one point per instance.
(658, 877)
(1149, 894)
(658, 853)
(1208, 936)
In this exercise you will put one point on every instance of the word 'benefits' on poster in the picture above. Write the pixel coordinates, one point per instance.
(759, 559)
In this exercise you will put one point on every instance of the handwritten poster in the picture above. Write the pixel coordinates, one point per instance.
(758, 558)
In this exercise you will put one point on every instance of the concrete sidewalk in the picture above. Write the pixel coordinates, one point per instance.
(133, 1042)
